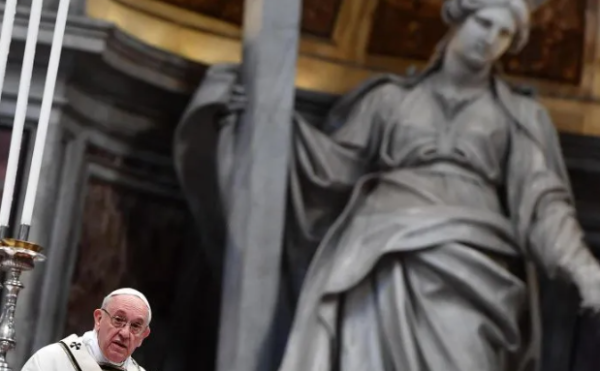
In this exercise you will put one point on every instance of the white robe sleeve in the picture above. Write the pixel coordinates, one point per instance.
(33, 364)
(51, 357)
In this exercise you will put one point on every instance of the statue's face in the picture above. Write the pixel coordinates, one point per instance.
(484, 36)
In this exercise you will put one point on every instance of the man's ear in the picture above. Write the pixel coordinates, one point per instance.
(97, 318)
(145, 334)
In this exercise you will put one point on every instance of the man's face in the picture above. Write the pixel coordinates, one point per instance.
(484, 37)
(118, 343)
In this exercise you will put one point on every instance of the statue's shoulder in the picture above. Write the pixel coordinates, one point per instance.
(386, 82)
(393, 90)
(401, 85)
(377, 94)
(527, 111)
(527, 98)
(382, 88)
(373, 91)
(531, 107)
(520, 99)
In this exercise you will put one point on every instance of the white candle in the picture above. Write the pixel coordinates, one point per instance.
(21, 111)
(46, 110)
(8, 20)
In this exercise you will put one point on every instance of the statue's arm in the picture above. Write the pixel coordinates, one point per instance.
(326, 167)
(340, 158)
(220, 99)
(542, 207)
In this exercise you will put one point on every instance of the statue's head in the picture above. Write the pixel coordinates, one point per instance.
(484, 30)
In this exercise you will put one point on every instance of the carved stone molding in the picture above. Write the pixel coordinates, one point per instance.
(124, 106)
(153, 66)
(82, 33)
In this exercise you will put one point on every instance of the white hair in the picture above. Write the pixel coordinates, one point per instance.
(130, 292)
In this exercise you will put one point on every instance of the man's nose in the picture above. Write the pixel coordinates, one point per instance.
(125, 331)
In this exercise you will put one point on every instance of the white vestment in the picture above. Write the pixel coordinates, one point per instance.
(78, 354)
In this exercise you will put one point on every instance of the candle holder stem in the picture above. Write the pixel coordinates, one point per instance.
(17, 256)
(12, 287)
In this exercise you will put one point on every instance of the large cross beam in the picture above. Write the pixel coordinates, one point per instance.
(257, 214)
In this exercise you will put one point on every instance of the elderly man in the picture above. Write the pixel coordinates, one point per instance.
(120, 326)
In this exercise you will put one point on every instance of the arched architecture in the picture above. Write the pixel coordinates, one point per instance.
(110, 211)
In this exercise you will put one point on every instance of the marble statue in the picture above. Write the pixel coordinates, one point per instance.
(421, 211)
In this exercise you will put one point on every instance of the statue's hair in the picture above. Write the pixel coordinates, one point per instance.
(455, 12)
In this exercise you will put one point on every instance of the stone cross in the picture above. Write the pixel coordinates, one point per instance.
(258, 194)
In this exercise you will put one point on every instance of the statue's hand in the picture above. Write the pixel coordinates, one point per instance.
(234, 106)
(589, 290)
(238, 100)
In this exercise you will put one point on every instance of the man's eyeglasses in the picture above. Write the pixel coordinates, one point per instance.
(135, 328)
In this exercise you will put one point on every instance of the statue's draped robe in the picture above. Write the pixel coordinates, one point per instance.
(417, 221)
